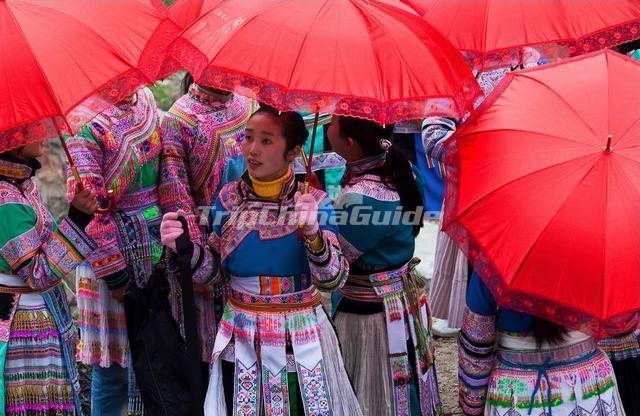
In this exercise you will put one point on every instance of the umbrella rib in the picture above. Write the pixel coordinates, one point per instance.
(237, 29)
(485, 30)
(378, 69)
(397, 49)
(625, 173)
(567, 139)
(561, 98)
(524, 259)
(568, 21)
(627, 131)
(520, 177)
(304, 40)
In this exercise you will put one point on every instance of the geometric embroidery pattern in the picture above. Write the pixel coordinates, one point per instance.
(314, 390)
(246, 389)
(276, 392)
(401, 381)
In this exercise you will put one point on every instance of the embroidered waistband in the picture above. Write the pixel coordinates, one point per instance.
(138, 200)
(250, 302)
(373, 287)
(558, 355)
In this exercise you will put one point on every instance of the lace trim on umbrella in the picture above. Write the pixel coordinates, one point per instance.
(552, 51)
(35, 131)
(153, 63)
(284, 99)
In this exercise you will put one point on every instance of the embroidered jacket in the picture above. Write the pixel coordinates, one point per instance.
(37, 249)
(32, 245)
(256, 237)
(373, 237)
(200, 151)
(119, 150)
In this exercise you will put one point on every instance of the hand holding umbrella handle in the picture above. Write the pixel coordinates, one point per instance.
(110, 203)
(305, 189)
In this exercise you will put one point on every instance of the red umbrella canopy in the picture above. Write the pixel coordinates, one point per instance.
(543, 191)
(492, 33)
(361, 58)
(184, 12)
(68, 63)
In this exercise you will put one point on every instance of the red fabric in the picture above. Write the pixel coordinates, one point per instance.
(185, 12)
(492, 33)
(550, 220)
(360, 58)
(67, 62)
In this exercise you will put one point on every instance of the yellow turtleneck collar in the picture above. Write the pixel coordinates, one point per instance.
(271, 189)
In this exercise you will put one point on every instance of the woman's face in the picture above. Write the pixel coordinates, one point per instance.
(264, 148)
(29, 151)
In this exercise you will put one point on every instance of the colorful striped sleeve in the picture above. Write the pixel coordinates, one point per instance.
(86, 151)
(328, 266)
(40, 261)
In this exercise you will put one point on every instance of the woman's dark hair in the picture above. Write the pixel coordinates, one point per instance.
(186, 83)
(396, 172)
(292, 124)
(625, 48)
(546, 331)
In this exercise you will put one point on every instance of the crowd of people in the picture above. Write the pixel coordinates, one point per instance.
(259, 256)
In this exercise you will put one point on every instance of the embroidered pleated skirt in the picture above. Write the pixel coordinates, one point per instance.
(36, 381)
(270, 340)
(624, 353)
(577, 379)
(383, 331)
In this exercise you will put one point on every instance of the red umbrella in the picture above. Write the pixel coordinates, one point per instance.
(65, 62)
(361, 58)
(544, 191)
(492, 33)
(184, 12)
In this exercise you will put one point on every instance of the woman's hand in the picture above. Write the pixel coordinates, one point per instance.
(307, 213)
(85, 201)
(170, 229)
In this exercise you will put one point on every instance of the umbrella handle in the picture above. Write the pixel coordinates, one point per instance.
(110, 203)
(78, 179)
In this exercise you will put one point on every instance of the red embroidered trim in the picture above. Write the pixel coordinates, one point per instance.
(551, 51)
(283, 99)
(153, 64)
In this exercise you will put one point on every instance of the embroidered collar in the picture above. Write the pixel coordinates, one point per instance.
(362, 166)
(16, 169)
(124, 109)
(210, 98)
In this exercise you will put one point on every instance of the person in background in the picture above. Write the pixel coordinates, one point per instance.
(37, 334)
(201, 137)
(450, 274)
(117, 151)
(624, 353)
(382, 315)
(511, 363)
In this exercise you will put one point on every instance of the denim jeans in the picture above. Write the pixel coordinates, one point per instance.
(109, 391)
